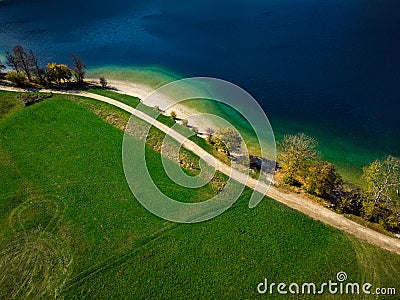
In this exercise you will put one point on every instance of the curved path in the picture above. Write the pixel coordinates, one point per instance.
(294, 201)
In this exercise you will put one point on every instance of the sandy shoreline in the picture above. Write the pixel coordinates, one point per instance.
(141, 91)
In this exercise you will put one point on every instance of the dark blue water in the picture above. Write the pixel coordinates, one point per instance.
(330, 68)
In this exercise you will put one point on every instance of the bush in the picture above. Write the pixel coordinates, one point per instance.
(218, 144)
(18, 79)
(321, 179)
(350, 203)
(173, 114)
(391, 222)
(371, 211)
(185, 122)
(195, 130)
(288, 179)
(103, 82)
(32, 98)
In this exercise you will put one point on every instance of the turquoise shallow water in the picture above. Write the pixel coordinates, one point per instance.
(328, 68)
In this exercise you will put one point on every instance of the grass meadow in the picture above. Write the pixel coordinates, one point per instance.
(71, 228)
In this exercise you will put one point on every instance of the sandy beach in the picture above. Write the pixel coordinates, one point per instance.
(165, 103)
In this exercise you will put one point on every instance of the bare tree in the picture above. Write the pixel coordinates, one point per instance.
(210, 132)
(37, 71)
(23, 61)
(12, 62)
(78, 67)
(231, 138)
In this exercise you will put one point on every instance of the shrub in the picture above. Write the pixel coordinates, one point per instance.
(321, 179)
(173, 114)
(391, 222)
(185, 122)
(17, 79)
(32, 98)
(350, 203)
(371, 211)
(103, 82)
(218, 144)
(195, 130)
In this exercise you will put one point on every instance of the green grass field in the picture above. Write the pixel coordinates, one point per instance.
(70, 226)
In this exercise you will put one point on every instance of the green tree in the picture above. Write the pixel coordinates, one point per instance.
(231, 138)
(321, 179)
(78, 68)
(58, 73)
(296, 154)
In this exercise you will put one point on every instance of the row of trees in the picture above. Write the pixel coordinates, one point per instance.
(26, 69)
(378, 202)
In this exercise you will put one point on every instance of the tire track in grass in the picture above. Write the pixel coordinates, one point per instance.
(118, 259)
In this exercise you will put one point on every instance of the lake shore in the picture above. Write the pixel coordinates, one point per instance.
(165, 103)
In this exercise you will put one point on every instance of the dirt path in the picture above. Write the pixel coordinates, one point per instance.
(294, 201)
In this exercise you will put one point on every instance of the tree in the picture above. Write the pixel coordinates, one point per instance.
(21, 61)
(210, 132)
(17, 79)
(103, 82)
(231, 138)
(58, 73)
(321, 179)
(185, 122)
(296, 154)
(173, 114)
(381, 196)
(12, 62)
(2, 67)
(38, 72)
(195, 130)
(78, 67)
(349, 201)
(383, 182)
